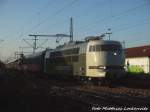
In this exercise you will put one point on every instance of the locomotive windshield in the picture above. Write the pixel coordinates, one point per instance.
(106, 47)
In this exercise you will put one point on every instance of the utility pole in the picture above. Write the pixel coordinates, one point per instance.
(58, 36)
(124, 46)
(22, 51)
(1, 42)
(20, 54)
(71, 29)
(34, 43)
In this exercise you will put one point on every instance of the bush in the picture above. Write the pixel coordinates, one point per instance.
(135, 69)
(2, 65)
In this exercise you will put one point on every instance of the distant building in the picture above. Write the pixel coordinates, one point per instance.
(138, 59)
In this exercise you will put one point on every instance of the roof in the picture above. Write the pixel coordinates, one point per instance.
(141, 51)
(37, 54)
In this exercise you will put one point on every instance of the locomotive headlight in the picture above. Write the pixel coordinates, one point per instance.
(115, 53)
(102, 67)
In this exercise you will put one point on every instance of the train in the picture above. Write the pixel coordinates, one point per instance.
(93, 58)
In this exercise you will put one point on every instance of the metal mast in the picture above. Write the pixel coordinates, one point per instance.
(71, 29)
(34, 46)
(58, 37)
(34, 43)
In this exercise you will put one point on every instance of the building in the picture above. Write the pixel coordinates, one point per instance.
(138, 59)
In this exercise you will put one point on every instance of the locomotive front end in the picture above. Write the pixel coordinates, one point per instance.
(105, 59)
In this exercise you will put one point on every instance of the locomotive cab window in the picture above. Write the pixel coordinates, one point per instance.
(109, 47)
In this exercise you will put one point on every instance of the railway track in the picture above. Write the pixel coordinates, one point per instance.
(87, 96)
(101, 98)
(93, 98)
(118, 99)
(69, 92)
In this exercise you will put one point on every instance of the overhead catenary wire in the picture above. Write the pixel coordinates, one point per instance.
(126, 10)
(77, 17)
(117, 30)
(71, 3)
(134, 26)
(88, 26)
(48, 4)
(52, 15)
(120, 28)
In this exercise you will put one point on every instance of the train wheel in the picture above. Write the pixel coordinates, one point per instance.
(90, 83)
(99, 83)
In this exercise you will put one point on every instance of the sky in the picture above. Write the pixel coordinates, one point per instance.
(129, 21)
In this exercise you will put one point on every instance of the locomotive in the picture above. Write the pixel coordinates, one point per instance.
(93, 58)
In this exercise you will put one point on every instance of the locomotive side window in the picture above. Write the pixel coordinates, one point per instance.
(75, 58)
(90, 48)
(98, 47)
(56, 54)
(65, 56)
(65, 52)
(94, 48)
(71, 51)
(76, 51)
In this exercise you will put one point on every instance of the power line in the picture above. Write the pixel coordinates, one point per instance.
(87, 14)
(59, 35)
(54, 14)
(140, 23)
(135, 25)
(113, 16)
(38, 12)
(46, 5)
(77, 17)
(34, 45)
(35, 38)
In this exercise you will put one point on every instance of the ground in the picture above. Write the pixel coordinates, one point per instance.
(20, 93)
(30, 92)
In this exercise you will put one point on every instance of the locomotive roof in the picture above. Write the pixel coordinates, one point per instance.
(82, 43)
(73, 45)
(105, 42)
(69, 44)
(35, 54)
